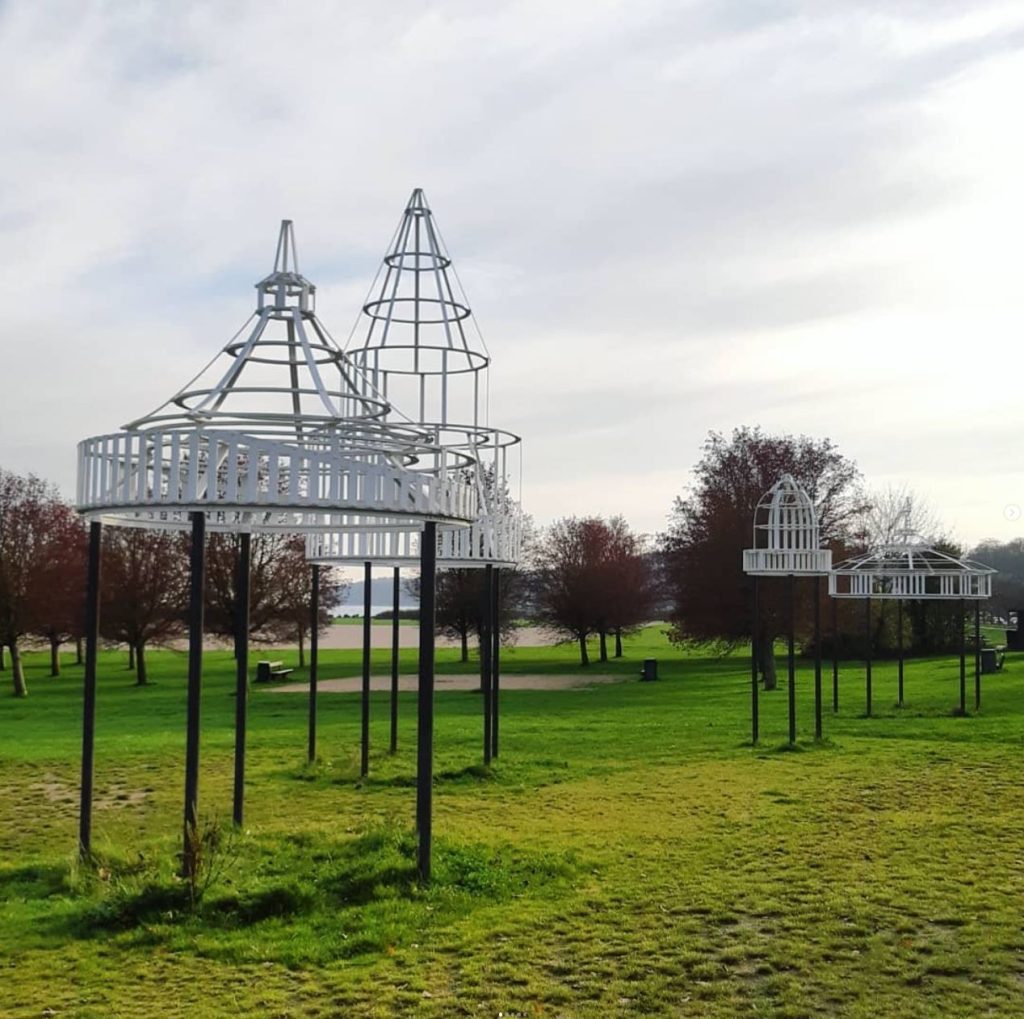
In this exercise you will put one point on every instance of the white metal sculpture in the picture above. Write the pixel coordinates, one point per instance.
(786, 534)
(420, 348)
(910, 568)
(279, 432)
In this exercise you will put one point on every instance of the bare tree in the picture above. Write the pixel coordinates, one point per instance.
(896, 511)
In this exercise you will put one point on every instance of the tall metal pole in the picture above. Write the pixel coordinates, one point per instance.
(867, 655)
(977, 655)
(963, 658)
(899, 651)
(195, 681)
(817, 658)
(364, 742)
(754, 710)
(242, 574)
(396, 590)
(791, 623)
(314, 660)
(835, 654)
(92, 637)
(425, 699)
(496, 662)
(485, 656)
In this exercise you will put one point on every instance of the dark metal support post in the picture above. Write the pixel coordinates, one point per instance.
(791, 623)
(195, 681)
(899, 651)
(977, 655)
(242, 573)
(963, 658)
(364, 742)
(485, 657)
(92, 637)
(867, 656)
(314, 660)
(393, 747)
(817, 658)
(425, 699)
(754, 708)
(835, 654)
(496, 662)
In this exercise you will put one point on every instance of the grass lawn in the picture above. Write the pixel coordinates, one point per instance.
(630, 854)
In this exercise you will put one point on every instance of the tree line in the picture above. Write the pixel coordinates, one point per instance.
(582, 577)
(144, 583)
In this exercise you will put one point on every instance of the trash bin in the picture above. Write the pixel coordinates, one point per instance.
(989, 661)
(650, 669)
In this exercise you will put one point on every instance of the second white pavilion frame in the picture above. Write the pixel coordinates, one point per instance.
(787, 544)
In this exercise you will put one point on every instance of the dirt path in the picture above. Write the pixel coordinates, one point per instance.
(519, 681)
(348, 637)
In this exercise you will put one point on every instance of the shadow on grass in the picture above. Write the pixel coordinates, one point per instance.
(35, 881)
(358, 889)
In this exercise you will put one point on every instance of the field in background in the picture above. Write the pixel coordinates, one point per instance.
(629, 854)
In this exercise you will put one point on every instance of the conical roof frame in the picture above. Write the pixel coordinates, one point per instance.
(420, 322)
(280, 432)
(282, 373)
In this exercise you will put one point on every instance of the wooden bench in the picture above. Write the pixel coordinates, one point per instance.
(269, 672)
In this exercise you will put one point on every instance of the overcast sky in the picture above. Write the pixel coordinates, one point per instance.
(668, 217)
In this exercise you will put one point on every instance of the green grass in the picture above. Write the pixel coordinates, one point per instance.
(630, 854)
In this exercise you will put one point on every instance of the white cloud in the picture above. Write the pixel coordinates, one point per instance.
(669, 217)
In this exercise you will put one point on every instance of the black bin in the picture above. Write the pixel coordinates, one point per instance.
(650, 669)
(989, 661)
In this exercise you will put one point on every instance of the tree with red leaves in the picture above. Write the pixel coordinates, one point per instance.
(26, 511)
(280, 582)
(144, 590)
(627, 583)
(57, 591)
(712, 525)
(591, 578)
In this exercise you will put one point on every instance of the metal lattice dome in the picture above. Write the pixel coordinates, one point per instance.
(280, 431)
(910, 569)
(421, 348)
(786, 538)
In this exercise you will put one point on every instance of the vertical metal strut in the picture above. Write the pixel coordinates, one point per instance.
(425, 700)
(314, 660)
(496, 662)
(242, 574)
(485, 658)
(197, 587)
(396, 590)
(754, 707)
(92, 637)
(364, 741)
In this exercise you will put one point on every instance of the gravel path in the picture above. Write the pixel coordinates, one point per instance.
(517, 681)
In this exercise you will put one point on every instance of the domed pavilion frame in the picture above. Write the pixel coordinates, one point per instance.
(909, 569)
(786, 544)
(280, 433)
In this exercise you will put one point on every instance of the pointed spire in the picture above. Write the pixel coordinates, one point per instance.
(286, 287)
(418, 203)
(418, 313)
(287, 374)
(287, 259)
